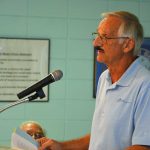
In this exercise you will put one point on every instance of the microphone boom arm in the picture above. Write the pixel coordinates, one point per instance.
(40, 93)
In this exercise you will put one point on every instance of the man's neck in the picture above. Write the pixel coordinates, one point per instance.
(118, 69)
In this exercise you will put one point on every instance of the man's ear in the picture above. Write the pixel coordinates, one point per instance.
(129, 45)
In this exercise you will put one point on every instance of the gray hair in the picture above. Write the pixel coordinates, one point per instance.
(131, 27)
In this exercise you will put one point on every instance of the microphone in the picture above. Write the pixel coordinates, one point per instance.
(52, 77)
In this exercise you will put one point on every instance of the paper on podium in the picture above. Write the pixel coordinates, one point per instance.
(22, 141)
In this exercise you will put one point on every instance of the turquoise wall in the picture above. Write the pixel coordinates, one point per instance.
(68, 24)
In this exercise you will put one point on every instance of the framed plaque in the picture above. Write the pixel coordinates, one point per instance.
(23, 62)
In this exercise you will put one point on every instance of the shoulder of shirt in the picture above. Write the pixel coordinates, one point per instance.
(145, 72)
(143, 76)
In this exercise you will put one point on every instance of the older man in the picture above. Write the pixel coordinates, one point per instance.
(122, 113)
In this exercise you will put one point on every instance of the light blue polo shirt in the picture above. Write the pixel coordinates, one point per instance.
(122, 112)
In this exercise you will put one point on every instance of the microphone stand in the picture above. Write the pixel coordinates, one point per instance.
(40, 93)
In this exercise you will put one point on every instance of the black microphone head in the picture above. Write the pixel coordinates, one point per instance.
(57, 74)
(52, 77)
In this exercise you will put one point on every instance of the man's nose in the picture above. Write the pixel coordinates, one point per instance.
(33, 136)
(97, 42)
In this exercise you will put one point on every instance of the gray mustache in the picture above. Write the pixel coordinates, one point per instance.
(98, 48)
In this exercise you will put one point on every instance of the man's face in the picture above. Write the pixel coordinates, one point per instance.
(111, 50)
(33, 130)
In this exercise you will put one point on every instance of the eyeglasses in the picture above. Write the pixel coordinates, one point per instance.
(36, 135)
(104, 38)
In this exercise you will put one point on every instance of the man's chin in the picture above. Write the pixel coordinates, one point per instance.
(100, 59)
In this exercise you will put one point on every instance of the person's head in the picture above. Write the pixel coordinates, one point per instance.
(119, 34)
(33, 128)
